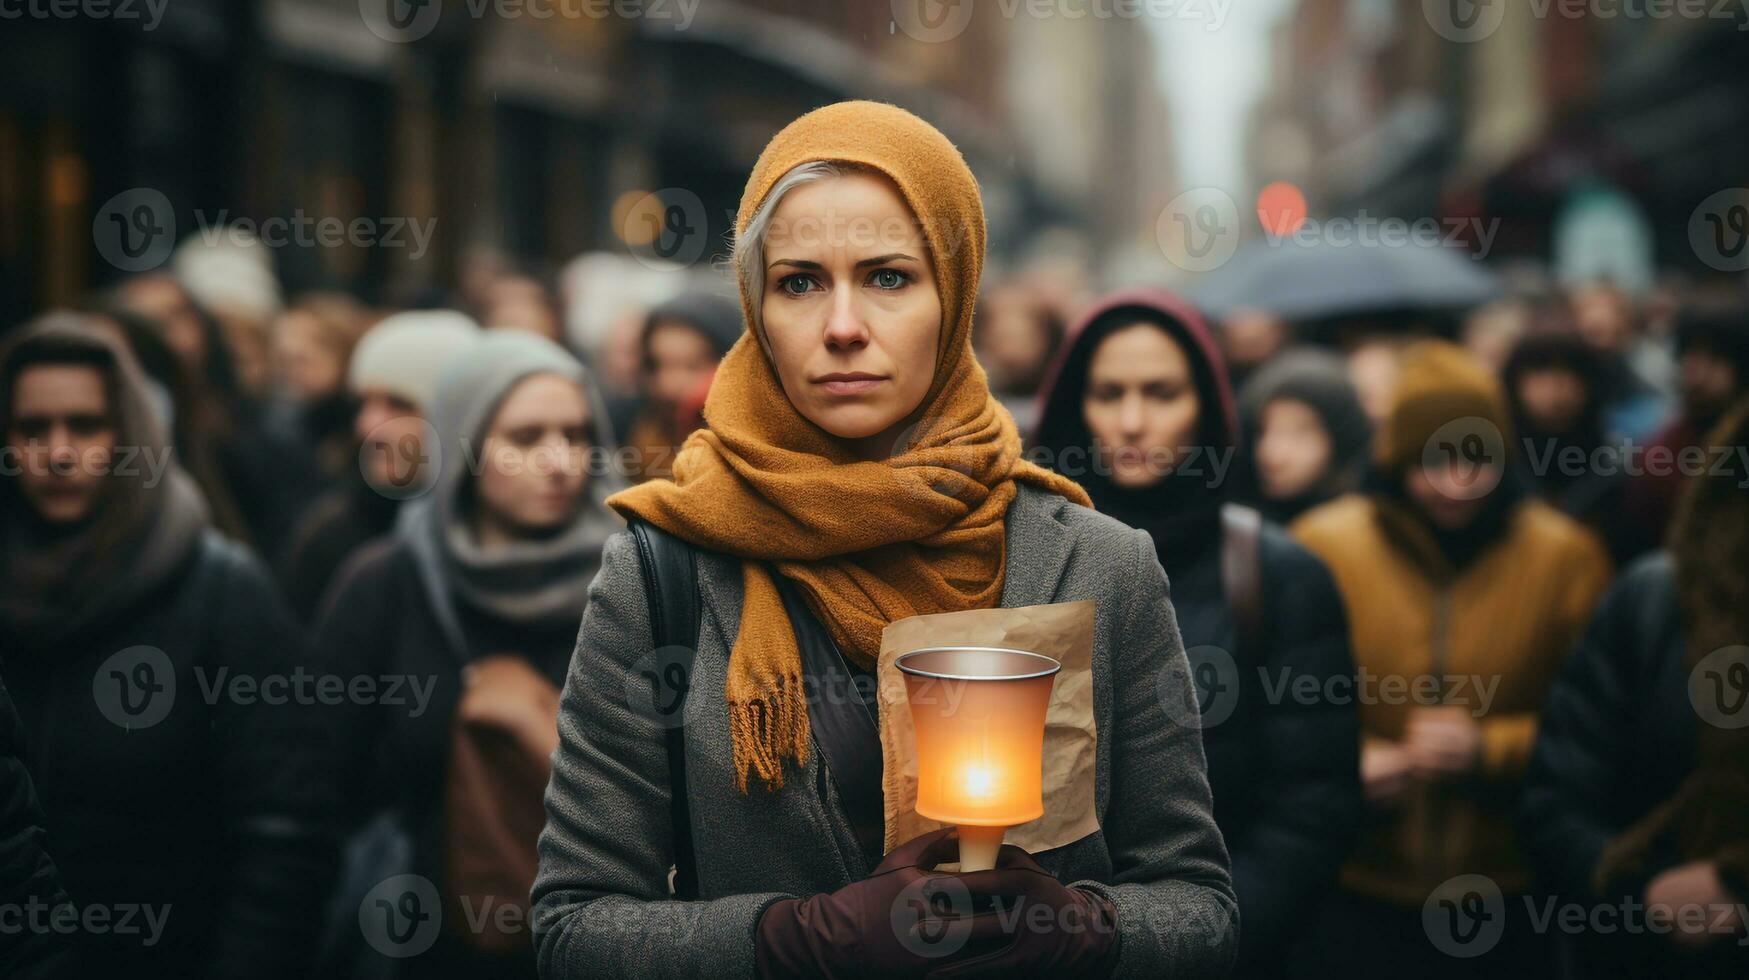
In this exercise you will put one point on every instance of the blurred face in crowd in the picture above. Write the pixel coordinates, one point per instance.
(160, 299)
(1443, 491)
(1553, 398)
(391, 435)
(1372, 366)
(303, 361)
(680, 359)
(60, 438)
(1293, 448)
(1141, 404)
(1251, 336)
(1709, 382)
(520, 303)
(850, 309)
(1013, 340)
(535, 454)
(1604, 317)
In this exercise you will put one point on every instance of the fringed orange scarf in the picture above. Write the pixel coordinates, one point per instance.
(865, 542)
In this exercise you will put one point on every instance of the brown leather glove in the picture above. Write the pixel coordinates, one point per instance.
(900, 921)
(1053, 930)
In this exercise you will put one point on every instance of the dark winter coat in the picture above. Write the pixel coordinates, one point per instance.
(29, 950)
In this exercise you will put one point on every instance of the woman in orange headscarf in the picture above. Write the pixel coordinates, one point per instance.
(856, 470)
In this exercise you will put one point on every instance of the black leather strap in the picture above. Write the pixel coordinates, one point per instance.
(844, 724)
(671, 589)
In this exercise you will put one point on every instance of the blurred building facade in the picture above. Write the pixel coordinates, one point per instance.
(1507, 111)
(538, 136)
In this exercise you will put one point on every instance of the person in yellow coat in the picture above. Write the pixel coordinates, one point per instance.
(1464, 595)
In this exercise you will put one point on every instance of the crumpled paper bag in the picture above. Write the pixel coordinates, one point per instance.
(1062, 631)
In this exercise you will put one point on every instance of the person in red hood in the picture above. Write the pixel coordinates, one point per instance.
(1138, 408)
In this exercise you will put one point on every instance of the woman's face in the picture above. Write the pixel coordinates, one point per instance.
(535, 451)
(1293, 449)
(1141, 404)
(850, 308)
(302, 361)
(680, 360)
(59, 439)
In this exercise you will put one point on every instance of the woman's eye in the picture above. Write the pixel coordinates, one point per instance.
(888, 279)
(525, 436)
(796, 285)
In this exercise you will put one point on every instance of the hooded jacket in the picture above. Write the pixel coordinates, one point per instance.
(1480, 618)
(1282, 770)
(427, 602)
(1318, 379)
(142, 676)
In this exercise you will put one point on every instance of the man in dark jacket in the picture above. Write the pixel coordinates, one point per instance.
(30, 888)
(1138, 409)
(1637, 798)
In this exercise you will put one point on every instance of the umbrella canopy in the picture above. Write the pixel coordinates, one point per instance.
(1320, 281)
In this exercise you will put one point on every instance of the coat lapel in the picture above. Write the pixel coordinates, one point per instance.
(1037, 543)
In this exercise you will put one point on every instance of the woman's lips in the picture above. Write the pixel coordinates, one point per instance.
(855, 387)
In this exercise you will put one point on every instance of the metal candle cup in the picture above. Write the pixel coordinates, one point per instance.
(979, 717)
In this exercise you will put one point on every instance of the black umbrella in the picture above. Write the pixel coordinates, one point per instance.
(1321, 280)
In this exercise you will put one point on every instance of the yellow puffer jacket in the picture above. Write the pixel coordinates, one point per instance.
(1490, 636)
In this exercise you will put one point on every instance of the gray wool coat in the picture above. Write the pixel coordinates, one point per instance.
(601, 905)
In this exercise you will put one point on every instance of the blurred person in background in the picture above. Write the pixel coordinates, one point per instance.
(1638, 791)
(477, 595)
(1712, 362)
(1016, 335)
(1553, 381)
(1306, 434)
(312, 344)
(255, 479)
(683, 340)
(391, 380)
(521, 302)
(1634, 402)
(30, 948)
(1140, 412)
(1491, 332)
(1463, 597)
(1373, 365)
(231, 277)
(1249, 338)
(122, 610)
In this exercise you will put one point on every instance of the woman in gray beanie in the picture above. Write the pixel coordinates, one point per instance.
(1306, 435)
(476, 598)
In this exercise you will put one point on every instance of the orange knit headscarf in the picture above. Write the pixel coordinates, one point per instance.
(865, 542)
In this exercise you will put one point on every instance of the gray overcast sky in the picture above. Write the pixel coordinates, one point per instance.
(1212, 79)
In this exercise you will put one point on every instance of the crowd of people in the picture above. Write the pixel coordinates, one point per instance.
(305, 601)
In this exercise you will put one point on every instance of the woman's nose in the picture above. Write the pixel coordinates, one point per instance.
(1130, 416)
(845, 325)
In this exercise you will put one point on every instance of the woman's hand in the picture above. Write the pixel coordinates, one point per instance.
(900, 921)
(1052, 929)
